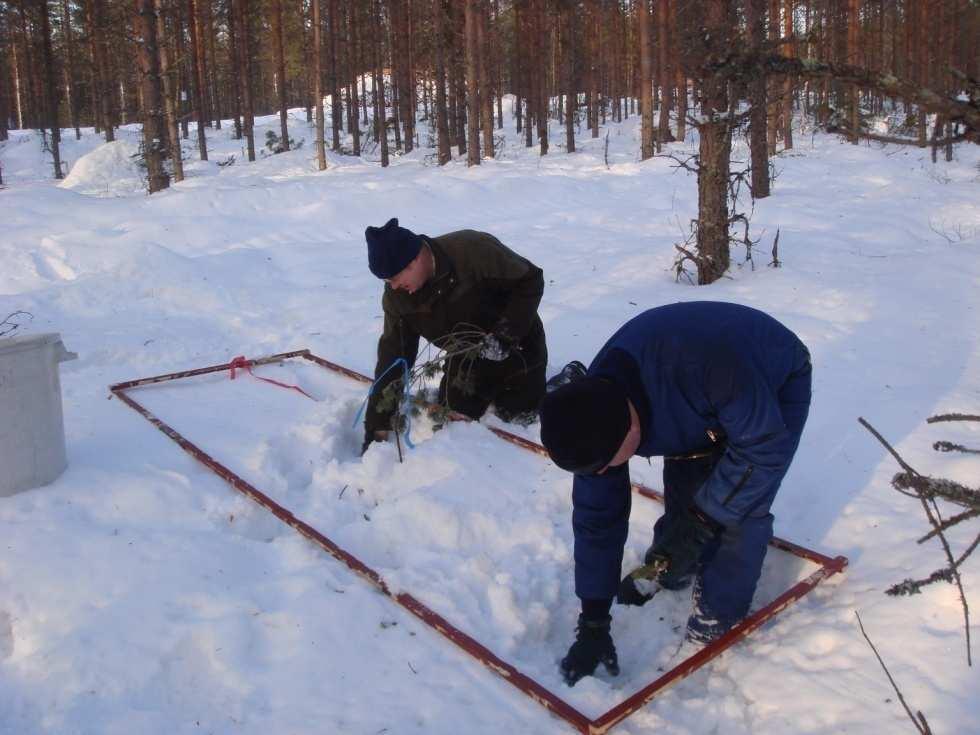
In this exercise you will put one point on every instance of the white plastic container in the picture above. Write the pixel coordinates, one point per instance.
(32, 431)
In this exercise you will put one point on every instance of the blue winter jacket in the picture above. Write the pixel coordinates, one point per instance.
(695, 372)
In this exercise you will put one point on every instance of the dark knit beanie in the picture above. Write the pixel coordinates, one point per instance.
(584, 423)
(391, 248)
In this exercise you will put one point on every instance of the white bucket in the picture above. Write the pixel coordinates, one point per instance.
(32, 431)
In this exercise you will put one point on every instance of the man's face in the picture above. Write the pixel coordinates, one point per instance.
(414, 275)
(630, 444)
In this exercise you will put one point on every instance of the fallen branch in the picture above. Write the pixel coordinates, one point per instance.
(952, 417)
(920, 724)
(926, 490)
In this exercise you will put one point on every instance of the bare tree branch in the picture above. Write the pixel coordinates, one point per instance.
(952, 417)
(920, 724)
(925, 488)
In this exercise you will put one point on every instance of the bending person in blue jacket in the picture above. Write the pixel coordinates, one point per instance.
(722, 392)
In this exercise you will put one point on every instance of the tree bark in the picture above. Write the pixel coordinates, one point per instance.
(568, 71)
(51, 89)
(69, 69)
(149, 66)
(540, 77)
(484, 84)
(197, 88)
(173, 132)
(321, 154)
(647, 142)
(234, 65)
(381, 104)
(280, 61)
(336, 103)
(472, 90)
(214, 89)
(714, 152)
(666, 73)
(758, 119)
(245, 73)
(442, 122)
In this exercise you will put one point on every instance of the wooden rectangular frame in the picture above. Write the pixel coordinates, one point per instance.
(828, 566)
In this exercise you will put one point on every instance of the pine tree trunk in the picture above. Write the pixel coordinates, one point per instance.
(280, 61)
(647, 142)
(69, 69)
(758, 118)
(381, 103)
(714, 149)
(33, 95)
(149, 66)
(540, 77)
(442, 122)
(666, 73)
(4, 93)
(788, 82)
(202, 60)
(170, 115)
(51, 89)
(355, 125)
(472, 91)
(243, 21)
(197, 88)
(321, 154)
(213, 87)
(234, 70)
(568, 71)
(485, 86)
(853, 24)
(18, 101)
(336, 103)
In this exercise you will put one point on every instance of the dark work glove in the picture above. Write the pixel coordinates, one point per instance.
(494, 348)
(679, 547)
(630, 594)
(593, 645)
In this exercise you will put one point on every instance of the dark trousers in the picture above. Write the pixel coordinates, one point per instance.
(515, 385)
(730, 566)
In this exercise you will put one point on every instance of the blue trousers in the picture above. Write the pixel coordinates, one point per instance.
(729, 569)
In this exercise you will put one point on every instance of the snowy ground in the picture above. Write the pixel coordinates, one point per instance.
(139, 594)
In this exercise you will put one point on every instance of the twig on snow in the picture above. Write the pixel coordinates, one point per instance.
(920, 724)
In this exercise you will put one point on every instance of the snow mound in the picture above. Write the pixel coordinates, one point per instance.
(109, 171)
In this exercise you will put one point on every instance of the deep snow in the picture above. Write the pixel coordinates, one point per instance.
(138, 593)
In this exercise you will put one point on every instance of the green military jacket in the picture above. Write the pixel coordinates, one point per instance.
(478, 281)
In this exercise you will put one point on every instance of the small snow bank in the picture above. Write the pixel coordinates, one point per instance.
(111, 170)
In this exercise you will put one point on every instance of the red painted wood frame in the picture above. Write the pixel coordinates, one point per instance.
(553, 703)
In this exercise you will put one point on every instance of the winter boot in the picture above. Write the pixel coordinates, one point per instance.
(571, 372)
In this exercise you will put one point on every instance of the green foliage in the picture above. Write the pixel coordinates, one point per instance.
(274, 143)
(461, 348)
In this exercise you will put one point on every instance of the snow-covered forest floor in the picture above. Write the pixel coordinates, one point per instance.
(139, 594)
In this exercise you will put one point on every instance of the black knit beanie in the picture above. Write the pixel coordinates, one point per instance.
(584, 423)
(391, 248)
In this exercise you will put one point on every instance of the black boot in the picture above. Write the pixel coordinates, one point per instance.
(593, 645)
(571, 372)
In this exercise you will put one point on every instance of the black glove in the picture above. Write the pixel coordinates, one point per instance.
(679, 547)
(593, 645)
(495, 348)
(630, 594)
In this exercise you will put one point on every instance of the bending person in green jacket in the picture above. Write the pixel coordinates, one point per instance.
(437, 286)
